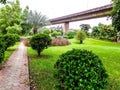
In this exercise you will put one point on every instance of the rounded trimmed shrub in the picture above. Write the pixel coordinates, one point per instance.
(2, 50)
(80, 70)
(81, 35)
(9, 40)
(40, 42)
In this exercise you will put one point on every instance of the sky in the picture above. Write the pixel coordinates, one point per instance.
(58, 8)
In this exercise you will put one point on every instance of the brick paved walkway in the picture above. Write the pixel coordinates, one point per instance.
(15, 75)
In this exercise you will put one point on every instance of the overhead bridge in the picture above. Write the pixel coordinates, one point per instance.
(98, 12)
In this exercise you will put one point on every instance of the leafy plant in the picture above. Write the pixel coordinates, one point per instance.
(10, 17)
(36, 20)
(9, 40)
(70, 35)
(116, 14)
(80, 36)
(46, 31)
(17, 37)
(55, 34)
(40, 42)
(80, 70)
(2, 50)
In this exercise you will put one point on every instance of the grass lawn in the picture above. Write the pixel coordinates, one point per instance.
(10, 50)
(42, 68)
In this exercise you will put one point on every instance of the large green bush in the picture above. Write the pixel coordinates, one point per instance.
(2, 50)
(70, 34)
(80, 70)
(9, 40)
(17, 37)
(55, 34)
(80, 36)
(46, 31)
(40, 42)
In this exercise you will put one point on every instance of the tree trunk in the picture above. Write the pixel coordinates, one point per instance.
(81, 41)
(38, 52)
(35, 31)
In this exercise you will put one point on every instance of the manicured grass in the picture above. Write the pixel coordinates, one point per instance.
(10, 50)
(42, 68)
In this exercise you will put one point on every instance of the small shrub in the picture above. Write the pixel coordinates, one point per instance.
(80, 36)
(46, 31)
(70, 35)
(55, 34)
(17, 37)
(40, 42)
(59, 42)
(9, 40)
(2, 50)
(80, 70)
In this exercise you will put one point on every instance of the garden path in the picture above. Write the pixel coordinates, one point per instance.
(15, 75)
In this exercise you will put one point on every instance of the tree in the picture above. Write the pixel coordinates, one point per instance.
(103, 31)
(40, 42)
(85, 27)
(3, 1)
(26, 27)
(116, 14)
(10, 16)
(95, 32)
(80, 36)
(36, 20)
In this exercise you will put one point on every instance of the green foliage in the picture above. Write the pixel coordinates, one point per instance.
(9, 40)
(16, 37)
(55, 34)
(106, 32)
(80, 36)
(14, 29)
(2, 50)
(46, 31)
(42, 68)
(95, 32)
(40, 42)
(3, 1)
(80, 70)
(10, 16)
(36, 20)
(70, 34)
(116, 14)
(85, 27)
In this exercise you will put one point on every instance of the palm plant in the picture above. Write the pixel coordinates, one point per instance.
(36, 20)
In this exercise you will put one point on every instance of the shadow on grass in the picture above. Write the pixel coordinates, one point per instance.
(77, 42)
(41, 56)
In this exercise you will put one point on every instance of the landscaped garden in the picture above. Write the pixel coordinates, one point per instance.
(59, 59)
(42, 67)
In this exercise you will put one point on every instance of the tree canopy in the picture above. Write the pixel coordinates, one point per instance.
(36, 20)
(10, 17)
(3, 1)
(116, 14)
(85, 27)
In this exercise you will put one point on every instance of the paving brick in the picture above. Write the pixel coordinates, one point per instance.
(15, 74)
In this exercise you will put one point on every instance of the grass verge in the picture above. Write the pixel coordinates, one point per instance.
(42, 68)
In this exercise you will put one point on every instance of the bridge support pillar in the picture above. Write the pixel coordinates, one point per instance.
(66, 27)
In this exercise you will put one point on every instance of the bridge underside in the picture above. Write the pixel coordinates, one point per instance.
(85, 15)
